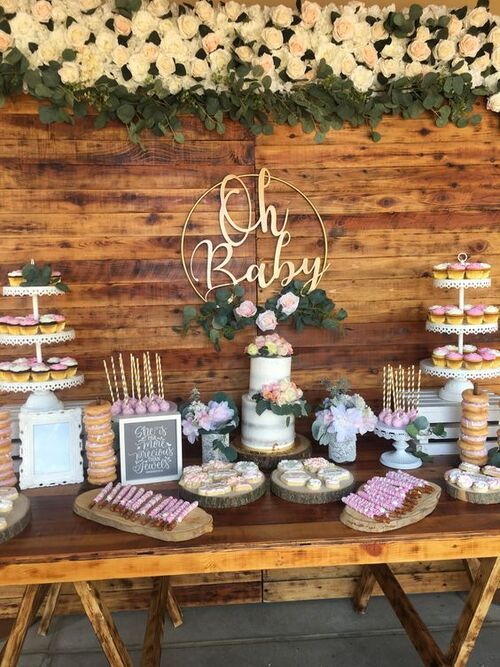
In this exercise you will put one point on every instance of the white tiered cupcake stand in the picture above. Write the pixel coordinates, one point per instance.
(41, 397)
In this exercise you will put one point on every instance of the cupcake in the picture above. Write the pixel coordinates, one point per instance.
(4, 325)
(71, 364)
(456, 271)
(469, 348)
(58, 371)
(40, 372)
(489, 359)
(5, 371)
(473, 361)
(474, 315)
(60, 320)
(485, 269)
(452, 348)
(474, 271)
(16, 278)
(437, 314)
(28, 326)
(490, 315)
(13, 326)
(53, 360)
(454, 360)
(439, 356)
(55, 277)
(439, 271)
(20, 372)
(48, 324)
(455, 316)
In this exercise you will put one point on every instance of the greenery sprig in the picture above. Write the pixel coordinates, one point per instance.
(37, 276)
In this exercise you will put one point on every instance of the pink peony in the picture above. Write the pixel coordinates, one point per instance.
(246, 309)
(288, 303)
(219, 413)
(189, 429)
(267, 321)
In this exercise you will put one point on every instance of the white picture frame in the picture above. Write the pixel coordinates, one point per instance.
(150, 448)
(51, 448)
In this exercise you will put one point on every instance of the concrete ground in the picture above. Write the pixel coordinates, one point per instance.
(320, 633)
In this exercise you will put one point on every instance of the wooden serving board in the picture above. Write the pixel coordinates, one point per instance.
(196, 523)
(491, 498)
(17, 519)
(226, 501)
(425, 505)
(301, 449)
(307, 496)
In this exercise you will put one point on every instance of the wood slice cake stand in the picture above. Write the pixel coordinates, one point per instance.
(489, 498)
(17, 519)
(301, 449)
(305, 496)
(196, 523)
(425, 505)
(225, 501)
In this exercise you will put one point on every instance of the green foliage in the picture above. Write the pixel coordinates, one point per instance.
(38, 276)
(421, 428)
(494, 457)
(298, 409)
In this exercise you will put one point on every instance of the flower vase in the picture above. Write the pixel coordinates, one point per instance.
(342, 452)
(208, 453)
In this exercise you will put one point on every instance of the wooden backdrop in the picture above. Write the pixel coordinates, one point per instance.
(109, 216)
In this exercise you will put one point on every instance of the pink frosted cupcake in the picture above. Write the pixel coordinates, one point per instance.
(490, 315)
(71, 364)
(473, 361)
(474, 315)
(4, 322)
(58, 371)
(454, 360)
(456, 271)
(28, 326)
(489, 359)
(13, 326)
(60, 321)
(437, 314)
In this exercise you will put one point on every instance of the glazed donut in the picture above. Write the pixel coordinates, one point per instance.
(98, 408)
(96, 422)
(8, 481)
(474, 424)
(100, 481)
(475, 403)
(471, 442)
(96, 448)
(479, 461)
(104, 462)
(103, 436)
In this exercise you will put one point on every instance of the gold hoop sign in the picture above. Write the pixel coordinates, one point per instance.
(213, 263)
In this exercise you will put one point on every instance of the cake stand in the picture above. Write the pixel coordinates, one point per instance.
(400, 459)
(459, 380)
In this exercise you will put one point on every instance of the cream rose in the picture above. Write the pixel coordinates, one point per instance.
(138, 66)
(378, 31)
(188, 25)
(463, 69)
(219, 60)
(77, 35)
(395, 49)
(414, 69)
(47, 52)
(343, 28)
(493, 103)
(289, 303)
(199, 68)
(120, 55)
(23, 24)
(210, 42)
(266, 62)
(267, 321)
(368, 54)
(10, 6)
(150, 51)
(123, 25)
(297, 44)
(252, 350)
(90, 63)
(362, 78)
(158, 7)
(494, 36)
(272, 38)
(5, 41)
(42, 11)
(477, 17)
(445, 50)
(455, 26)
(244, 53)
(233, 10)
(418, 50)
(468, 46)
(362, 33)
(296, 68)
(205, 11)
(165, 65)
(281, 16)
(389, 67)
(69, 72)
(106, 41)
(480, 64)
(495, 58)
(143, 24)
(310, 13)
(423, 33)
(87, 5)
(347, 64)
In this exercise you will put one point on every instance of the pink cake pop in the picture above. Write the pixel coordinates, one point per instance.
(153, 407)
(164, 405)
(140, 408)
(116, 408)
(127, 409)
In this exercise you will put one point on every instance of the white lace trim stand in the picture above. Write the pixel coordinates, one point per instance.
(400, 459)
(461, 328)
(459, 378)
(445, 283)
(42, 339)
(50, 385)
(43, 290)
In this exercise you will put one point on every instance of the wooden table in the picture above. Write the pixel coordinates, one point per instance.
(270, 533)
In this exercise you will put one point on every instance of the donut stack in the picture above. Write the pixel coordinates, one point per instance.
(474, 427)
(99, 443)
(7, 475)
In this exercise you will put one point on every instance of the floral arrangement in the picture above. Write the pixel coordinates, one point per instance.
(145, 63)
(230, 312)
(282, 398)
(37, 276)
(272, 345)
(219, 415)
(342, 415)
(420, 427)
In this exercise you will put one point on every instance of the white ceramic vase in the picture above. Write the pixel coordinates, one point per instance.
(208, 453)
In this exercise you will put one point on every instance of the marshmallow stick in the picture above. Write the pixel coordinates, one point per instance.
(138, 378)
(132, 375)
(124, 379)
(161, 377)
(114, 378)
(390, 387)
(418, 389)
(158, 378)
(145, 374)
(109, 381)
(150, 374)
(384, 406)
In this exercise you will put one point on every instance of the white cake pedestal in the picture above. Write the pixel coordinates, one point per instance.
(399, 459)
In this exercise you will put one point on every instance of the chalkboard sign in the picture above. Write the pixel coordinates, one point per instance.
(150, 448)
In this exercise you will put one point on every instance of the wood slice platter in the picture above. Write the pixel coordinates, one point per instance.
(490, 498)
(17, 519)
(301, 449)
(425, 505)
(196, 523)
(227, 500)
(307, 496)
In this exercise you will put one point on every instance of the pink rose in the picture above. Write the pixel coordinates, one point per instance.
(246, 309)
(123, 25)
(310, 13)
(260, 341)
(5, 41)
(267, 321)
(210, 42)
(289, 303)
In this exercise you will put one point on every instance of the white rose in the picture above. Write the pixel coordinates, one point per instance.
(106, 41)
(69, 72)
(205, 11)
(362, 33)
(378, 31)
(123, 25)
(42, 11)
(418, 50)
(254, 12)
(477, 17)
(188, 25)
(233, 10)
(310, 13)
(389, 67)
(463, 69)
(22, 24)
(77, 35)
(414, 69)
(210, 42)
(495, 58)
(295, 68)
(244, 53)
(150, 51)
(5, 41)
(10, 6)
(395, 49)
(120, 55)
(423, 33)
(454, 26)
(281, 16)
(288, 302)
(219, 60)
(347, 64)
(368, 54)
(138, 66)
(165, 65)
(158, 7)
(174, 85)
(272, 38)
(47, 52)
(445, 49)
(173, 45)
(87, 5)
(494, 36)
(251, 31)
(90, 63)
(266, 321)
(343, 28)
(493, 103)
(480, 64)
(362, 78)
(468, 46)
(143, 24)
(297, 44)
(199, 68)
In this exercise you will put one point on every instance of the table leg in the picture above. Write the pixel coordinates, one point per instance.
(364, 589)
(28, 608)
(102, 622)
(481, 594)
(151, 651)
(173, 609)
(48, 609)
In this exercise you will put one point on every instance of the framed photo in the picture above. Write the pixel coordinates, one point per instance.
(51, 448)
(150, 448)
